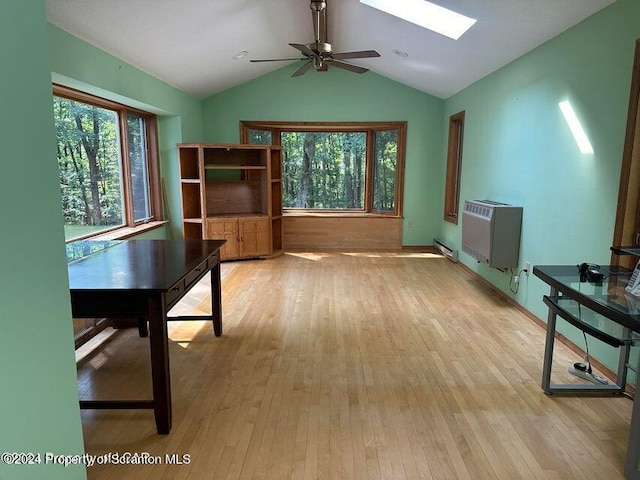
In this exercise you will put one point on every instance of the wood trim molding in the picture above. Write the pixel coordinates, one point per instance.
(628, 196)
(246, 125)
(332, 232)
(277, 127)
(454, 167)
(153, 152)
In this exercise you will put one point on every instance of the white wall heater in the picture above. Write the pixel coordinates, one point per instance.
(491, 232)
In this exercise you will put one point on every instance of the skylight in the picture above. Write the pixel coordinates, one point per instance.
(426, 14)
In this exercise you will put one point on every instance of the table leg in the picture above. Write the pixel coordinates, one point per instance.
(160, 378)
(216, 300)
(623, 360)
(548, 348)
(143, 330)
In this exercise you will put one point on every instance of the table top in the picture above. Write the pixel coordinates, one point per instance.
(154, 265)
(607, 297)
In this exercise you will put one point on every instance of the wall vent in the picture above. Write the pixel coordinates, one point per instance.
(491, 232)
(446, 251)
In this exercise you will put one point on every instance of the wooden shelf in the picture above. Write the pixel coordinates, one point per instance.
(235, 167)
(236, 215)
(233, 192)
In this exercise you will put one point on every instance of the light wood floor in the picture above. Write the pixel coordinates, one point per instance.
(355, 366)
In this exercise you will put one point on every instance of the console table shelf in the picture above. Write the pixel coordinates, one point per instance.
(626, 251)
(604, 310)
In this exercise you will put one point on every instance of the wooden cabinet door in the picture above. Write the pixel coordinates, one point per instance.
(225, 229)
(255, 236)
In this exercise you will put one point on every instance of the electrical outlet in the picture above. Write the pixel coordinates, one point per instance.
(527, 268)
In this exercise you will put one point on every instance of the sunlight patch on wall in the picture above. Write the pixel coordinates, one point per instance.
(575, 126)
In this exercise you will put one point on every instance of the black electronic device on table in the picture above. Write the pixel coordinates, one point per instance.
(590, 272)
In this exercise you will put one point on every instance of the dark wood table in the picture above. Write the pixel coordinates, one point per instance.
(143, 279)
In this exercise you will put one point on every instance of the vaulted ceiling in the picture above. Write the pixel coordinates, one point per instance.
(191, 44)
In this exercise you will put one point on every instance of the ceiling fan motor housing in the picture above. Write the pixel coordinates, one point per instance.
(322, 49)
(318, 54)
(318, 6)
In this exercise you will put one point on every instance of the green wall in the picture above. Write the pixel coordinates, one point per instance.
(38, 401)
(517, 147)
(519, 150)
(77, 64)
(337, 95)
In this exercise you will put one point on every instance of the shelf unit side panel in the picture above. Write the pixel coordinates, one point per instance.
(276, 234)
(276, 199)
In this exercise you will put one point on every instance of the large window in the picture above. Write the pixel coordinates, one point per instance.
(343, 167)
(107, 161)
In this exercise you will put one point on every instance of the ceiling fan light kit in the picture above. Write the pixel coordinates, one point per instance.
(319, 54)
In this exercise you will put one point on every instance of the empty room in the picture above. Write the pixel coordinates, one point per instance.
(342, 239)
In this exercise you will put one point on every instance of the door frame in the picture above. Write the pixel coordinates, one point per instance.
(627, 226)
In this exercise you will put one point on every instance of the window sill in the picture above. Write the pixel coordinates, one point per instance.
(128, 232)
(300, 213)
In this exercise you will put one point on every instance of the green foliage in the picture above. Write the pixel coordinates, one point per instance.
(136, 140)
(89, 164)
(323, 170)
(384, 173)
(327, 170)
(260, 137)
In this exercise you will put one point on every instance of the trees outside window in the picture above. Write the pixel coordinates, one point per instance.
(346, 167)
(107, 163)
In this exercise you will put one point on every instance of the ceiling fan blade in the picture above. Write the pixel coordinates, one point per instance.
(360, 54)
(277, 60)
(347, 66)
(304, 49)
(303, 69)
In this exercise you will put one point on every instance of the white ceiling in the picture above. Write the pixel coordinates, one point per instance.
(190, 43)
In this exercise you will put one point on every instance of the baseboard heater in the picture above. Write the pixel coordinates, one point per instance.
(446, 251)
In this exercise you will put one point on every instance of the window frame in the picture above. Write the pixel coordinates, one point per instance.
(152, 154)
(369, 128)
(454, 168)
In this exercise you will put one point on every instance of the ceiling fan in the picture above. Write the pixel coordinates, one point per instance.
(319, 54)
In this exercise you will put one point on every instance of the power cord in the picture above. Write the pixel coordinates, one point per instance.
(585, 371)
(515, 280)
(587, 357)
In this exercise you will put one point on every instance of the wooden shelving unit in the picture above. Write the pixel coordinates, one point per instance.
(233, 192)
